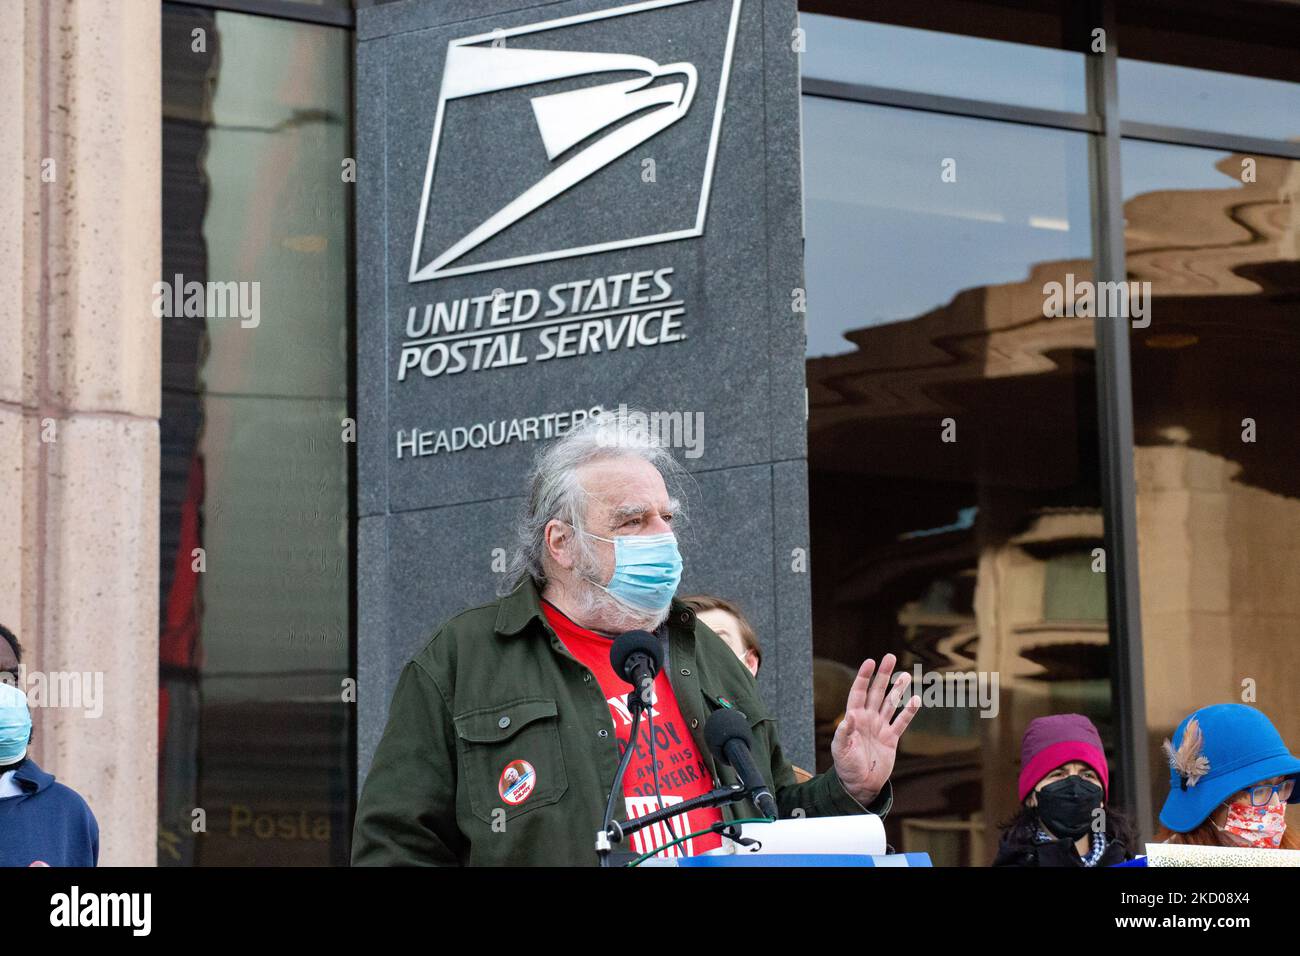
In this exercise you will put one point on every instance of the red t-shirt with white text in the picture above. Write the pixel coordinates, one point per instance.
(682, 773)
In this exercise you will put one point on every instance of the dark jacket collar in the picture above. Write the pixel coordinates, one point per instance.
(517, 610)
(31, 778)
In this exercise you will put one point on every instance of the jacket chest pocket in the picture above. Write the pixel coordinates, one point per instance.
(510, 757)
(714, 701)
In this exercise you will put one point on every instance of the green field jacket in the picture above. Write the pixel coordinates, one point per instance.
(495, 685)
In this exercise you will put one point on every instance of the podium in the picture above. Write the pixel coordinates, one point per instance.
(856, 840)
(796, 859)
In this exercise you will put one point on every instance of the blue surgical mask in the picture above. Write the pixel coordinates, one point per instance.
(647, 569)
(15, 724)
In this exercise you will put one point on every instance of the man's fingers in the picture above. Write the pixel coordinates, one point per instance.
(844, 732)
(895, 697)
(880, 683)
(900, 724)
(858, 692)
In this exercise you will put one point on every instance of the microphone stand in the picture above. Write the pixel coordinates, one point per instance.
(611, 831)
(603, 845)
(614, 832)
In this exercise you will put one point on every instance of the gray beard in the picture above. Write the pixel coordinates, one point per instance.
(601, 611)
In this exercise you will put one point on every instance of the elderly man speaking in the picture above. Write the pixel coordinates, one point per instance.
(505, 731)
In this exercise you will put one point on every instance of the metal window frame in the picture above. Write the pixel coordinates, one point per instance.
(1051, 119)
(1113, 396)
(1117, 452)
(1208, 139)
(1117, 476)
(345, 18)
(281, 10)
(950, 105)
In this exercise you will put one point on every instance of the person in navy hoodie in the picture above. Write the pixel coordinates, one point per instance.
(42, 822)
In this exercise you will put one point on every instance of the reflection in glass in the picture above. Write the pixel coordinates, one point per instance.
(1216, 429)
(1208, 100)
(952, 446)
(255, 498)
(947, 64)
(1019, 195)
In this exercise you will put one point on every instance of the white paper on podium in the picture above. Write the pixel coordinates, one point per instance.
(861, 833)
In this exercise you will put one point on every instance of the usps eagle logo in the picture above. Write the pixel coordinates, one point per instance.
(605, 105)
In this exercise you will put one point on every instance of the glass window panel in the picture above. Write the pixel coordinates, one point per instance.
(1209, 100)
(256, 631)
(1021, 195)
(1216, 431)
(952, 445)
(1229, 68)
(278, 212)
(926, 61)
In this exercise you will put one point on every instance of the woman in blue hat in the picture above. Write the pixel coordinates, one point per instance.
(1230, 779)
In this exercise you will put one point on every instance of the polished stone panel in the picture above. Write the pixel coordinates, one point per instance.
(500, 298)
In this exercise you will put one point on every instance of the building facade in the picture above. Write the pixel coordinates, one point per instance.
(1062, 503)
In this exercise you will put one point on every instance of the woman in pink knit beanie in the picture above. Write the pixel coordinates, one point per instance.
(1064, 785)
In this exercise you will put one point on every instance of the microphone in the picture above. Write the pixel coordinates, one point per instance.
(727, 734)
(636, 656)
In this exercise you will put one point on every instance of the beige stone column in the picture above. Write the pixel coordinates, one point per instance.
(80, 249)
(1220, 564)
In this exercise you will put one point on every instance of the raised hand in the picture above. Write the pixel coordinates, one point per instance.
(866, 741)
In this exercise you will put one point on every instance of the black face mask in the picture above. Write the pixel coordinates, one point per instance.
(1066, 807)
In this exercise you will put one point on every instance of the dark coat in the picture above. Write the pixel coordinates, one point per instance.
(1018, 848)
(495, 684)
(47, 823)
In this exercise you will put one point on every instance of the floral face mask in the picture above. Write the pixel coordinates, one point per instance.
(1257, 826)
